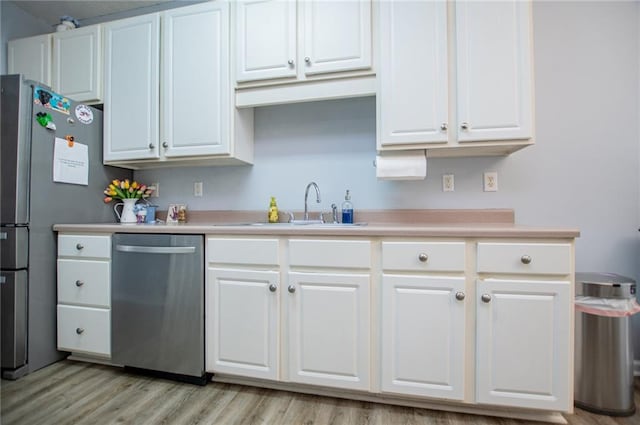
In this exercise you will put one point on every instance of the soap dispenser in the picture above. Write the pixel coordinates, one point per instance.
(347, 209)
(273, 211)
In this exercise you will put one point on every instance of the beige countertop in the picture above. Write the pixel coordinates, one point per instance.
(397, 223)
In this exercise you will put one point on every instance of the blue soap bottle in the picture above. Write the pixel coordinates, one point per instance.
(347, 209)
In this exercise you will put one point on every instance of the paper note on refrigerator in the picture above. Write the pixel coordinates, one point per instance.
(70, 163)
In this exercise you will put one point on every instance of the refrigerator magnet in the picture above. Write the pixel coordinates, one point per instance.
(84, 114)
(51, 100)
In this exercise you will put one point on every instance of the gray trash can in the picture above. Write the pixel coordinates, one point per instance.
(604, 349)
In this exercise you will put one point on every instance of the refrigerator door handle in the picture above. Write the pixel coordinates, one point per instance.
(156, 249)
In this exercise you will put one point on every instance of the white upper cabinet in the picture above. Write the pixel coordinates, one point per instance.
(132, 91)
(266, 39)
(178, 59)
(337, 36)
(455, 72)
(31, 56)
(413, 104)
(195, 81)
(77, 63)
(298, 51)
(494, 70)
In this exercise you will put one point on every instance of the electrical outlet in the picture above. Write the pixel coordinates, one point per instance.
(156, 191)
(491, 181)
(447, 183)
(197, 189)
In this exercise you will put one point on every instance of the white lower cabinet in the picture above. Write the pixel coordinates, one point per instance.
(84, 294)
(423, 336)
(328, 328)
(523, 343)
(243, 322)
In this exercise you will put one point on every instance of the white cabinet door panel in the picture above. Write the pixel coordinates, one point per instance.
(523, 343)
(77, 63)
(423, 334)
(337, 36)
(84, 330)
(412, 98)
(196, 95)
(329, 325)
(265, 39)
(131, 109)
(494, 70)
(31, 56)
(243, 322)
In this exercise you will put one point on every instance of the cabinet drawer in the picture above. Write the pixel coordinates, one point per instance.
(424, 256)
(524, 258)
(84, 282)
(330, 253)
(84, 246)
(85, 330)
(243, 251)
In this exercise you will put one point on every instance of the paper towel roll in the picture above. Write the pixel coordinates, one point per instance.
(404, 165)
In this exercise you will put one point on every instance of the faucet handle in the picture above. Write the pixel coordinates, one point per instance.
(291, 216)
(321, 217)
(334, 213)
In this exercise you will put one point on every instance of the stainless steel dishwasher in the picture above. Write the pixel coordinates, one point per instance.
(157, 304)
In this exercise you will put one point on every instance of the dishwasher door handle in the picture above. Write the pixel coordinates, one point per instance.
(156, 249)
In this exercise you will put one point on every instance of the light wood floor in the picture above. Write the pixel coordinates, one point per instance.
(82, 393)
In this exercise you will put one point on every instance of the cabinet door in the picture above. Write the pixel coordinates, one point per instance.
(265, 39)
(328, 329)
(337, 36)
(77, 63)
(412, 97)
(494, 82)
(423, 333)
(195, 93)
(524, 343)
(242, 323)
(31, 56)
(131, 85)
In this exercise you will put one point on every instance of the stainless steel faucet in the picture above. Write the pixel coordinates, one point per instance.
(306, 195)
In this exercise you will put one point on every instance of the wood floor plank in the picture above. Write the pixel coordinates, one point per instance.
(86, 394)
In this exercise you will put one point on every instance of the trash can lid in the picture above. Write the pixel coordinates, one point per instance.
(605, 285)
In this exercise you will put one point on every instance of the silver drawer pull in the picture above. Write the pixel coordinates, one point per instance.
(526, 259)
(79, 246)
(79, 330)
(291, 289)
(460, 296)
(423, 257)
(485, 298)
(79, 283)
(273, 288)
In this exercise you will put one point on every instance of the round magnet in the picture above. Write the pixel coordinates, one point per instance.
(84, 114)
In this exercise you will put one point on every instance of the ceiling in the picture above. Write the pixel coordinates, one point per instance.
(51, 11)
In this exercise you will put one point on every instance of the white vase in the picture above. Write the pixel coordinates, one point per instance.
(127, 216)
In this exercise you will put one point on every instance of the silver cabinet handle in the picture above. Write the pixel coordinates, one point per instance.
(79, 283)
(307, 59)
(423, 257)
(525, 259)
(443, 126)
(79, 246)
(165, 145)
(291, 289)
(151, 146)
(273, 288)
(290, 62)
(460, 296)
(79, 330)
(485, 298)
(464, 126)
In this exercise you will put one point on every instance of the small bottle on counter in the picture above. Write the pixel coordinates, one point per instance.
(273, 211)
(347, 209)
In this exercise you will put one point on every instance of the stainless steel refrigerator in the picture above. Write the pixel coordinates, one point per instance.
(31, 202)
